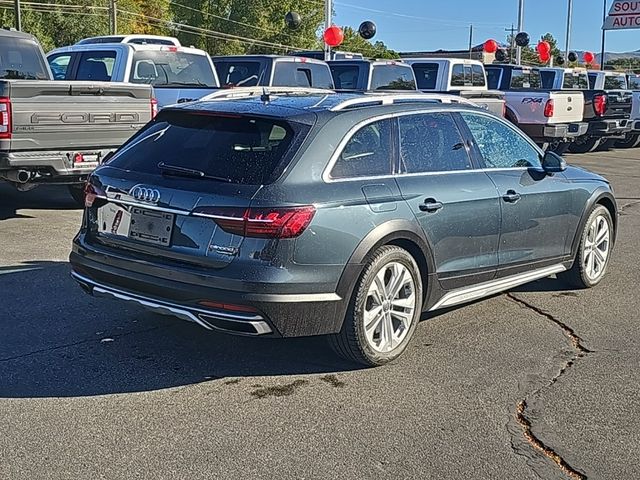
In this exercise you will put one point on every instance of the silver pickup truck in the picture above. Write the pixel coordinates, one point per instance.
(58, 132)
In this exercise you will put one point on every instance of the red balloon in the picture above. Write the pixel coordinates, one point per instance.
(491, 46)
(545, 57)
(333, 36)
(543, 48)
(589, 57)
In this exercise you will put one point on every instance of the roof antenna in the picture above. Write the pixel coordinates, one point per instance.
(265, 97)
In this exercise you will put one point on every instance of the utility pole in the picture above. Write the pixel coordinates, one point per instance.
(113, 10)
(604, 35)
(328, 13)
(569, 26)
(17, 15)
(512, 32)
(470, 41)
(520, 29)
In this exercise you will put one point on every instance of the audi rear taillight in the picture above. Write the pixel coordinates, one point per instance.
(260, 222)
(549, 108)
(154, 108)
(5, 118)
(600, 104)
(91, 194)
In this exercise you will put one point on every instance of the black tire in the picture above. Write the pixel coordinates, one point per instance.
(77, 192)
(559, 148)
(585, 145)
(606, 144)
(630, 141)
(578, 276)
(352, 343)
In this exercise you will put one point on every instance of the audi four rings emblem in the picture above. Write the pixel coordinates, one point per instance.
(145, 194)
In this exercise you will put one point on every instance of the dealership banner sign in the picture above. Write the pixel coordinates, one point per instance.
(624, 14)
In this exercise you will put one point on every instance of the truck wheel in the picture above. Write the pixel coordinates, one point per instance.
(384, 310)
(559, 148)
(630, 141)
(606, 144)
(77, 192)
(585, 145)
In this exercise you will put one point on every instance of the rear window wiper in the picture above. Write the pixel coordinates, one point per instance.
(184, 84)
(178, 171)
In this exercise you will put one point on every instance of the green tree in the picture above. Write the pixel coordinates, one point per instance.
(353, 42)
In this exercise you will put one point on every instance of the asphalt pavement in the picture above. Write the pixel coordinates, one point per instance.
(539, 382)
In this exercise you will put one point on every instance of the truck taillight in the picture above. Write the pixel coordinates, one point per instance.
(600, 104)
(549, 108)
(5, 118)
(260, 222)
(154, 108)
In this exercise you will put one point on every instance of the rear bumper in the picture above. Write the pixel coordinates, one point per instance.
(564, 131)
(610, 128)
(264, 310)
(50, 166)
(635, 129)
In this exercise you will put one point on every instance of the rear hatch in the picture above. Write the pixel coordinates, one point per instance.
(568, 107)
(182, 188)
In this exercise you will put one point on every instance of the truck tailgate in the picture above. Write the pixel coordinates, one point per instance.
(568, 107)
(48, 115)
(492, 100)
(619, 103)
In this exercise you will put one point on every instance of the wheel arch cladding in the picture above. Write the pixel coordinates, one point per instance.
(605, 198)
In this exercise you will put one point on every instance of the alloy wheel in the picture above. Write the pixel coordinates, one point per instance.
(596, 247)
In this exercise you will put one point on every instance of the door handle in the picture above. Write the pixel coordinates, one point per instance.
(431, 205)
(511, 196)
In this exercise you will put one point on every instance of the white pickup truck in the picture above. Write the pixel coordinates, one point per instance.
(553, 119)
(632, 140)
(466, 78)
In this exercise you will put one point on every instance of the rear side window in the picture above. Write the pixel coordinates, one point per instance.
(431, 143)
(618, 82)
(172, 68)
(97, 66)
(345, 77)
(238, 150)
(426, 75)
(392, 77)
(593, 78)
(21, 59)
(634, 82)
(368, 153)
(59, 65)
(477, 76)
(302, 74)
(525, 79)
(239, 74)
(493, 78)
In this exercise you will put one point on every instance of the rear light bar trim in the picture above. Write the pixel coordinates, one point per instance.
(6, 126)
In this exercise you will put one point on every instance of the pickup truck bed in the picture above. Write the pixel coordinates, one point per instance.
(60, 131)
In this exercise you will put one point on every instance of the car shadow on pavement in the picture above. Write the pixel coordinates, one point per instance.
(57, 341)
(48, 197)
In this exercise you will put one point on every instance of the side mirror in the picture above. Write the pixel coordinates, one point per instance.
(553, 163)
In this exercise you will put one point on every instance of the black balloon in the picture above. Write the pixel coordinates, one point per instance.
(523, 39)
(573, 57)
(293, 20)
(501, 55)
(559, 60)
(367, 30)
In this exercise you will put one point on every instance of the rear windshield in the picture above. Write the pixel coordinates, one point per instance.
(617, 82)
(525, 79)
(467, 76)
(579, 81)
(345, 76)
(165, 68)
(634, 82)
(239, 74)
(426, 75)
(392, 77)
(239, 150)
(302, 74)
(21, 59)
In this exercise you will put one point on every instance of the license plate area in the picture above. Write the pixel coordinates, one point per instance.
(85, 160)
(151, 226)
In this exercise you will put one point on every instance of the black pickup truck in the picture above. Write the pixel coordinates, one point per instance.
(365, 75)
(606, 111)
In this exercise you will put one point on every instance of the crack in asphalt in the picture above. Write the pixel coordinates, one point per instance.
(580, 351)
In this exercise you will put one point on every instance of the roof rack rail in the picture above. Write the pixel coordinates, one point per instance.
(243, 92)
(391, 99)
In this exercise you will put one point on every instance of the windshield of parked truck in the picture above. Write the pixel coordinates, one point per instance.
(172, 68)
(575, 80)
(239, 73)
(615, 82)
(21, 59)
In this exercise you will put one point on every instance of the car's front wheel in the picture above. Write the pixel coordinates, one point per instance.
(384, 310)
(594, 252)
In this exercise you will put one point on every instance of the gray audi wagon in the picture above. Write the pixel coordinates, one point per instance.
(345, 215)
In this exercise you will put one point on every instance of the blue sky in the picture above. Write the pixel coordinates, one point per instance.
(406, 25)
